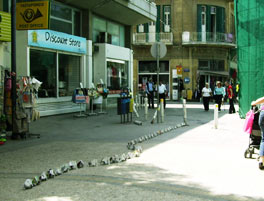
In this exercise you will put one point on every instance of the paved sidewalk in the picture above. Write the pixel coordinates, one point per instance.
(196, 162)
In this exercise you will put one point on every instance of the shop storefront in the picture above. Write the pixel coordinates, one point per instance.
(148, 69)
(58, 61)
(113, 65)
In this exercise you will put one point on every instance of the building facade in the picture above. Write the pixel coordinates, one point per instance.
(87, 42)
(199, 36)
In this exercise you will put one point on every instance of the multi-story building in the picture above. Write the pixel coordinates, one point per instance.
(87, 42)
(199, 36)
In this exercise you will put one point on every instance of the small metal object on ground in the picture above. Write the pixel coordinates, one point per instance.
(138, 122)
(28, 184)
(80, 164)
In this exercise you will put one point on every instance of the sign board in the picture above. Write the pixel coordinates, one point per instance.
(187, 80)
(5, 26)
(32, 15)
(179, 70)
(162, 50)
(186, 70)
(174, 73)
(57, 40)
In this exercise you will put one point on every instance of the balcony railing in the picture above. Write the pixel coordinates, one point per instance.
(198, 38)
(150, 38)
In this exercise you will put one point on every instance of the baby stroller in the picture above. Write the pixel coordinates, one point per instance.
(254, 137)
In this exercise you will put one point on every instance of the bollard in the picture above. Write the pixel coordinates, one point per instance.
(162, 110)
(137, 102)
(135, 110)
(184, 111)
(146, 108)
(216, 116)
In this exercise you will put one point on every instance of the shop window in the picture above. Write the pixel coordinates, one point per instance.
(43, 68)
(117, 74)
(69, 74)
(213, 65)
(151, 67)
(65, 19)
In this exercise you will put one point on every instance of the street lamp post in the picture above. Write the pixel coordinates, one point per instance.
(13, 61)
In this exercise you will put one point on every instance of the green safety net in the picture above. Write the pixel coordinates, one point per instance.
(250, 50)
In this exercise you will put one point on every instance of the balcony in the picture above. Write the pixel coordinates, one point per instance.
(128, 12)
(208, 39)
(150, 38)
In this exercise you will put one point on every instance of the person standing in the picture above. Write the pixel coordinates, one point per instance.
(230, 96)
(218, 93)
(206, 93)
(261, 125)
(162, 93)
(150, 92)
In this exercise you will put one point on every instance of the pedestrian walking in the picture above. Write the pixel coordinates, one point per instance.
(150, 92)
(261, 125)
(218, 94)
(207, 93)
(230, 96)
(162, 93)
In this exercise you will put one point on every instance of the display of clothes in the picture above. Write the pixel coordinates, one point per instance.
(27, 88)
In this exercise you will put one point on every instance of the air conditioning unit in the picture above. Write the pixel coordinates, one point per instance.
(167, 28)
(104, 37)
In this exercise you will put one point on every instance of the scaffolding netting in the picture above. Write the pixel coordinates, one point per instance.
(250, 50)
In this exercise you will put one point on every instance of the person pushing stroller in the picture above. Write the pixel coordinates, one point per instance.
(261, 125)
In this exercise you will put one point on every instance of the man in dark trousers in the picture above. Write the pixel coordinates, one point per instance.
(150, 92)
(230, 96)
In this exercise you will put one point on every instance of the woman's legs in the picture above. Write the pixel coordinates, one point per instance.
(261, 149)
(218, 100)
(206, 103)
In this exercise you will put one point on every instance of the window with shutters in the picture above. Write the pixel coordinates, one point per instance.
(166, 18)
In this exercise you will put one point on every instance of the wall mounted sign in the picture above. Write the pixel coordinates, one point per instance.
(179, 70)
(186, 70)
(56, 40)
(186, 80)
(32, 15)
(5, 26)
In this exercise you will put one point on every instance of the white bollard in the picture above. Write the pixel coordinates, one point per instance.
(136, 101)
(162, 110)
(135, 110)
(216, 116)
(146, 108)
(184, 111)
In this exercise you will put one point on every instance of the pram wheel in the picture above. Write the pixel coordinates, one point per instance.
(249, 152)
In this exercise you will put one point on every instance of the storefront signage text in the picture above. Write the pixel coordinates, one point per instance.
(57, 40)
(32, 15)
(5, 26)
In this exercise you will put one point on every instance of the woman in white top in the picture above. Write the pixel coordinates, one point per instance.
(207, 93)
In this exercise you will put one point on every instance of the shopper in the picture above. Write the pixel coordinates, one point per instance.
(162, 93)
(230, 96)
(218, 94)
(261, 125)
(150, 92)
(206, 93)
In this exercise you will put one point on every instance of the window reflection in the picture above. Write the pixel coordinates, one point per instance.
(117, 74)
(43, 68)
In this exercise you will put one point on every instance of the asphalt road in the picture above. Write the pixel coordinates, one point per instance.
(195, 162)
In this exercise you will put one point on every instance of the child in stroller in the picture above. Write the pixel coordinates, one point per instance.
(255, 136)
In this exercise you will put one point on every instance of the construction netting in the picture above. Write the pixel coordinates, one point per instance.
(250, 50)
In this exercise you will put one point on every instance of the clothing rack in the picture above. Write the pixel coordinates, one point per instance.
(25, 106)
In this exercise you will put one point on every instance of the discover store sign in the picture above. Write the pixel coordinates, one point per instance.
(56, 40)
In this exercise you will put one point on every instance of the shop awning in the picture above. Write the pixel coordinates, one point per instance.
(217, 73)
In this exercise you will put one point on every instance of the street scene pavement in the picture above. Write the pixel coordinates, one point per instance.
(194, 162)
